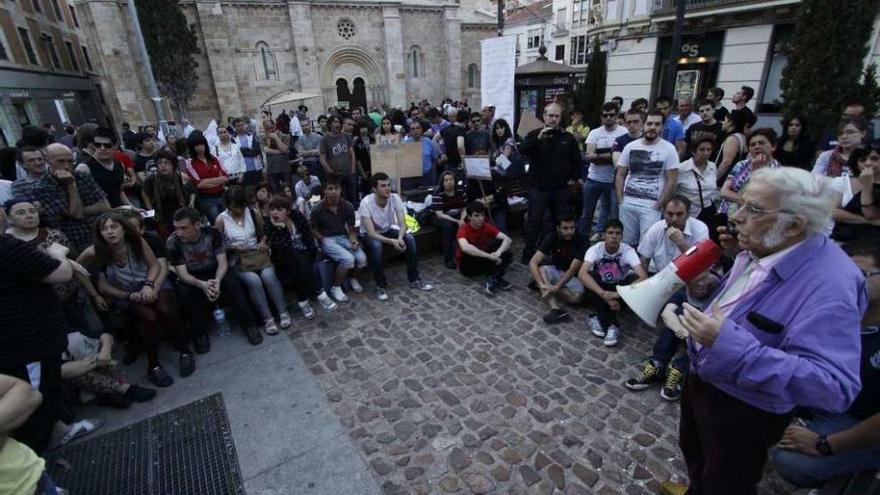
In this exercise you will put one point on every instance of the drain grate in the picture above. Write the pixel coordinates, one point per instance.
(188, 450)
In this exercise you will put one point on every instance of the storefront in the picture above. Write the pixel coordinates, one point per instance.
(696, 69)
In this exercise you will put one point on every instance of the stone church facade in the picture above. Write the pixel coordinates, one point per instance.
(356, 51)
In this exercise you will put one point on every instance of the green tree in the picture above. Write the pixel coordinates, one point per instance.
(825, 57)
(172, 45)
(589, 96)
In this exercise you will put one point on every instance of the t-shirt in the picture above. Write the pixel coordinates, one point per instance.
(611, 267)
(200, 257)
(329, 224)
(621, 142)
(647, 165)
(604, 141)
(656, 246)
(450, 143)
(476, 143)
(867, 403)
(20, 468)
(32, 325)
(156, 245)
(383, 217)
(304, 190)
(700, 131)
(672, 131)
(146, 164)
(479, 238)
(451, 205)
(561, 253)
(337, 149)
(691, 119)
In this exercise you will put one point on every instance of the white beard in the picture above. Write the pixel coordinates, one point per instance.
(774, 237)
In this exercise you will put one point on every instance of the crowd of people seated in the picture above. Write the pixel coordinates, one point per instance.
(157, 239)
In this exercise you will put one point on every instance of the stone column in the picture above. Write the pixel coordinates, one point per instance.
(304, 50)
(396, 85)
(453, 53)
(218, 51)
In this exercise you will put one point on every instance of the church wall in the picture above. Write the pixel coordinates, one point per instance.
(470, 54)
(424, 29)
(204, 106)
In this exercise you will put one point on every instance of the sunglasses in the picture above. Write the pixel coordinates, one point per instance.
(106, 146)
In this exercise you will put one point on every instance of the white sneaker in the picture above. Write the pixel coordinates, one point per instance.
(355, 285)
(326, 302)
(270, 327)
(336, 292)
(381, 294)
(284, 320)
(418, 284)
(612, 336)
(308, 312)
(595, 327)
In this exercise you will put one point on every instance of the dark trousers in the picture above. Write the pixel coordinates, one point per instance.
(667, 344)
(374, 256)
(198, 308)
(540, 203)
(296, 270)
(350, 183)
(724, 440)
(36, 432)
(606, 315)
(473, 266)
(447, 237)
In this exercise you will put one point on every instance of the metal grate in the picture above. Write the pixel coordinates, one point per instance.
(188, 450)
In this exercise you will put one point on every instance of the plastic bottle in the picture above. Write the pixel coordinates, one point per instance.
(220, 320)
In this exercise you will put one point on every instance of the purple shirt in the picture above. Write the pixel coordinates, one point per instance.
(818, 296)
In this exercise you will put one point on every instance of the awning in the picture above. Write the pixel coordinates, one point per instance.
(290, 97)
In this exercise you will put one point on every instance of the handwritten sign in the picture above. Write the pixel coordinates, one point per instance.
(498, 60)
(477, 167)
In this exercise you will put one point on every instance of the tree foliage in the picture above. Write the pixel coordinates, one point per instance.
(589, 96)
(825, 57)
(172, 45)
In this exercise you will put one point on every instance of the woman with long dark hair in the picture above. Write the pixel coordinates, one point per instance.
(206, 173)
(857, 217)
(734, 148)
(166, 191)
(129, 272)
(448, 203)
(386, 134)
(795, 148)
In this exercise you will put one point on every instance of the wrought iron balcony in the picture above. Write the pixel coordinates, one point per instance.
(665, 7)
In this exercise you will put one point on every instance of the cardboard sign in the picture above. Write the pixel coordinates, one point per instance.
(528, 123)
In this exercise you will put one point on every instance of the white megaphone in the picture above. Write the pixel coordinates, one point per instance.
(648, 297)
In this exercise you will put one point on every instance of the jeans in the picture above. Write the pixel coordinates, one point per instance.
(374, 254)
(255, 283)
(593, 192)
(667, 343)
(338, 249)
(473, 266)
(604, 313)
(447, 237)
(636, 219)
(555, 201)
(810, 471)
(210, 206)
(46, 486)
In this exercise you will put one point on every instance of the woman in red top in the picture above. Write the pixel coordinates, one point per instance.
(207, 175)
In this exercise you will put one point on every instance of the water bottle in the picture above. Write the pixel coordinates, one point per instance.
(220, 320)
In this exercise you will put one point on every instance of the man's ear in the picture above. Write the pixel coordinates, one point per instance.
(796, 226)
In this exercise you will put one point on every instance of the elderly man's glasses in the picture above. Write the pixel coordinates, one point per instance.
(753, 211)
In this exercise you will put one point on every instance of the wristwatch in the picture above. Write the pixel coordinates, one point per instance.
(822, 445)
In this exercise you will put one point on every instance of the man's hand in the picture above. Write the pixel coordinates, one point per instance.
(727, 241)
(399, 245)
(543, 134)
(146, 294)
(675, 235)
(672, 321)
(799, 439)
(101, 303)
(702, 327)
(614, 305)
(609, 295)
(355, 245)
(65, 177)
(760, 159)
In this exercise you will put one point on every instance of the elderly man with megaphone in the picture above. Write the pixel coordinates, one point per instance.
(782, 331)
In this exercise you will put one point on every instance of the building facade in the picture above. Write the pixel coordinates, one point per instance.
(531, 23)
(354, 52)
(47, 74)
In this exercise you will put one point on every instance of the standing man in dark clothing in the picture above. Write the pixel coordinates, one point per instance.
(555, 162)
(477, 140)
(453, 141)
(128, 136)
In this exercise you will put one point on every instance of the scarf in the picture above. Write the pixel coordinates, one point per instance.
(835, 163)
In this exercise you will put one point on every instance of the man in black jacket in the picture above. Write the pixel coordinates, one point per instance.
(554, 164)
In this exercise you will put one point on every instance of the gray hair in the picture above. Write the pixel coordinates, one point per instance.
(801, 194)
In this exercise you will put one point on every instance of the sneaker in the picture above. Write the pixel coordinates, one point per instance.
(306, 308)
(270, 327)
(651, 375)
(326, 302)
(673, 488)
(355, 285)
(418, 284)
(504, 284)
(284, 320)
(381, 294)
(136, 393)
(672, 387)
(63, 434)
(187, 364)
(611, 336)
(491, 287)
(336, 292)
(450, 264)
(159, 377)
(556, 315)
(201, 344)
(253, 334)
(595, 326)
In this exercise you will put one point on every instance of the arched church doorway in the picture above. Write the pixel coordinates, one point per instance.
(343, 95)
(359, 95)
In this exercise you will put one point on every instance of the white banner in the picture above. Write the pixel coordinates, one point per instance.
(496, 78)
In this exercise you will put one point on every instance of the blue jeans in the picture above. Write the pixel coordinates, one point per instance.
(46, 486)
(338, 249)
(447, 237)
(637, 219)
(593, 192)
(810, 471)
(257, 283)
(374, 254)
(210, 206)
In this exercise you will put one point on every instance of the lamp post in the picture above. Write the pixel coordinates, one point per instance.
(675, 48)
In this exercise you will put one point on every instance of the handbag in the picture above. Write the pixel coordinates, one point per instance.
(253, 260)
(707, 213)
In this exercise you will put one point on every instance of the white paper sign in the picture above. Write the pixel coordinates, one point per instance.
(477, 167)
(496, 77)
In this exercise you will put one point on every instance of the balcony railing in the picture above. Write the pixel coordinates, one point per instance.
(664, 7)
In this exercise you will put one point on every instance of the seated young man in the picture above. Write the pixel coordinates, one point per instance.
(383, 221)
(833, 444)
(608, 264)
(333, 226)
(483, 250)
(555, 265)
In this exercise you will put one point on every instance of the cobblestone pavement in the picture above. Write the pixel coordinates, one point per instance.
(451, 391)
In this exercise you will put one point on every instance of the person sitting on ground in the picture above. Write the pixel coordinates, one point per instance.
(448, 204)
(306, 187)
(607, 265)
(383, 221)
(333, 225)
(129, 275)
(242, 229)
(293, 252)
(483, 250)
(554, 268)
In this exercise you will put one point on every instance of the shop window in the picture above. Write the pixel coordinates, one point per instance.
(28, 46)
(771, 89)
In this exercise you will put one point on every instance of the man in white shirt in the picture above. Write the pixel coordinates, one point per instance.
(600, 180)
(686, 116)
(647, 174)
